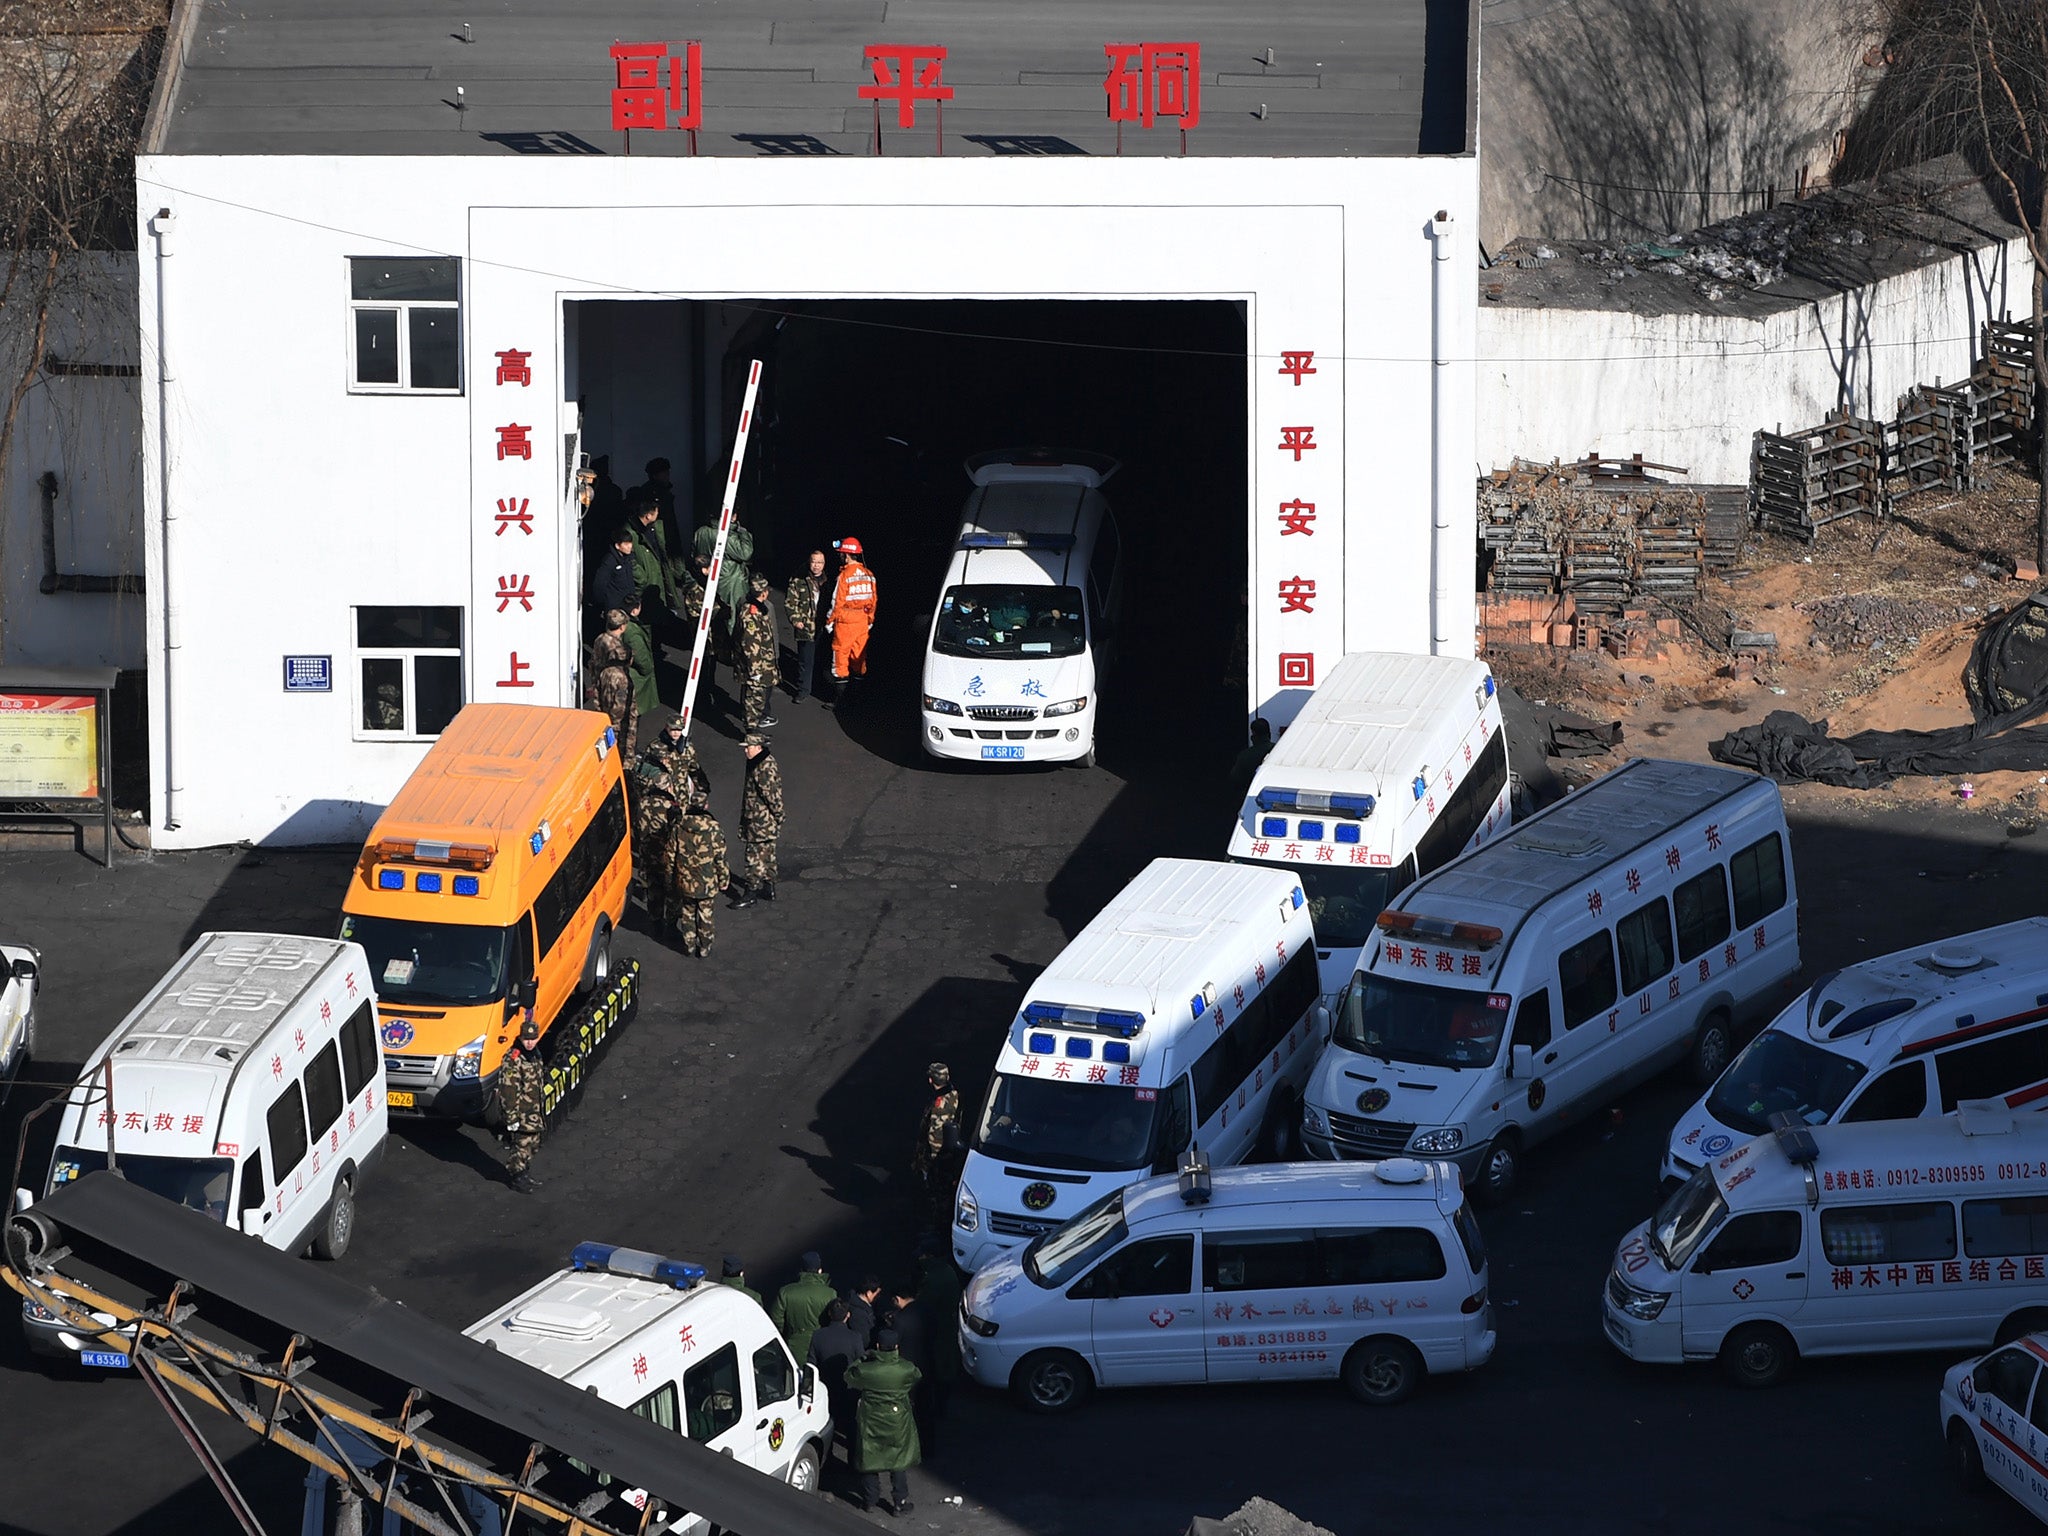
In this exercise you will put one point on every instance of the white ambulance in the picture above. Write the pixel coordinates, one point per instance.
(1026, 622)
(1185, 1012)
(1994, 1418)
(248, 1085)
(1372, 1273)
(1890, 1038)
(1840, 1240)
(1620, 930)
(646, 1333)
(1396, 765)
(20, 971)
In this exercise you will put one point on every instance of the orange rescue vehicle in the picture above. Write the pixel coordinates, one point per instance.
(501, 868)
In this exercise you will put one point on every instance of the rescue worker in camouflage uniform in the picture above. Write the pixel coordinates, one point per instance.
(760, 821)
(659, 793)
(884, 1429)
(938, 1140)
(800, 601)
(760, 651)
(610, 686)
(693, 861)
(689, 607)
(521, 1081)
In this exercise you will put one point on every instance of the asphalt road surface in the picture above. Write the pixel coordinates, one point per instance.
(765, 1100)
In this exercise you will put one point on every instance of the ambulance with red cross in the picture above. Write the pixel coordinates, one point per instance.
(1843, 1240)
(1621, 930)
(248, 1085)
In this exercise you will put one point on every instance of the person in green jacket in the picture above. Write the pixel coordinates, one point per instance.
(640, 650)
(735, 1275)
(800, 1305)
(884, 1431)
(653, 570)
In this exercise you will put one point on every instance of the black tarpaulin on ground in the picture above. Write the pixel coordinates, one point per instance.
(2007, 683)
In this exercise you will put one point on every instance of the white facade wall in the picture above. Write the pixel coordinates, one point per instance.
(269, 484)
(85, 429)
(1690, 389)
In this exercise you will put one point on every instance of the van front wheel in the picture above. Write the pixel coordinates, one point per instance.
(1711, 1048)
(1382, 1371)
(1280, 1136)
(1499, 1169)
(597, 971)
(1758, 1355)
(1964, 1459)
(1052, 1381)
(340, 1225)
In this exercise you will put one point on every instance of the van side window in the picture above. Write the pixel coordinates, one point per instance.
(1751, 1239)
(1888, 1234)
(658, 1406)
(2012, 1224)
(1259, 1027)
(1758, 873)
(1532, 1021)
(2039, 1416)
(1645, 940)
(1701, 905)
(253, 1192)
(564, 894)
(1467, 807)
(1175, 1128)
(520, 966)
(1152, 1266)
(323, 1089)
(1386, 1256)
(1260, 1261)
(711, 1394)
(2007, 1376)
(1901, 1094)
(358, 1050)
(286, 1122)
(774, 1374)
(1990, 1069)
(1585, 974)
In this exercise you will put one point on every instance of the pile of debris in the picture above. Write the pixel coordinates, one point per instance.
(1869, 620)
(1603, 532)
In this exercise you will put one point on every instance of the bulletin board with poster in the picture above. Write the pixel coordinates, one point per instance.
(55, 762)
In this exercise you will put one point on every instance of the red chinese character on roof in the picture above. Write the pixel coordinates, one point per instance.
(1358, 856)
(1593, 902)
(1295, 517)
(1713, 834)
(1443, 960)
(1671, 857)
(906, 75)
(1471, 966)
(1097, 1072)
(1326, 853)
(1297, 440)
(1393, 954)
(686, 1338)
(1295, 364)
(1259, 972)
(514, 666)
(514, 511)
(132, 1121)
(349, 980)
(277, 1066)
(1149, 80)
(161, 1122)
(326, 1011)
(193, 1125)
(512, 367)
(515, 589)
(513, 441)
(642, 99)
(299, 1038)
(1297, 594)
(1030, 1063)
(1417, 956)
(1127, 1076)
(1634, 880)
(1063, 1068)
(1260, 847)
(639, 1367)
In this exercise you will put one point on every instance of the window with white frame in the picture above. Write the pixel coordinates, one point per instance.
(405, 325)
(408, 672)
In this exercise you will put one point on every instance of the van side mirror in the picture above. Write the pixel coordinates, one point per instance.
(1521, 1061)
(807, 1383)
(23, 1199)
(24, 970)
(1322, 1019)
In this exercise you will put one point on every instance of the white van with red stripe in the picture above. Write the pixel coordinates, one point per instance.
(1898, 1037)
(1994, 1416)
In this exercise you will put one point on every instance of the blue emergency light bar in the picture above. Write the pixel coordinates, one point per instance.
(1356, 807)
(1116, 1050)
(1272, 826)
(390, 879)
(609, 1259)
(1297, 898)
(467, 885)
(1110, 1021)
(1489, 685)
(1346, 832)
(423, 881)
(1059, 541)
(1309, 831)
(1039, 1045)
(1079, 1048)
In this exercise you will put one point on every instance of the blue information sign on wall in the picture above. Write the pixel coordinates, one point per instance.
(309, 674)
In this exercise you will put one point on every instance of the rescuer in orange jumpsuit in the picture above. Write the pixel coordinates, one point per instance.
(852, 615)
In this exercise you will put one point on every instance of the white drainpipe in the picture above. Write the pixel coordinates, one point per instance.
(162, 226)
(1444, 563)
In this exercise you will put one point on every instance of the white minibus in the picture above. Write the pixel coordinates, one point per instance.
(1395, 766)
(1618, 931)
(1839, 1240)
(1889, 1038)
(1184, 1012)
(1372, 1273)
(1026, 622)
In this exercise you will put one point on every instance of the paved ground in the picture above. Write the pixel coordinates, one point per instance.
(763, 1102)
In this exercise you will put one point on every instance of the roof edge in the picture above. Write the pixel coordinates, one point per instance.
(170, 74)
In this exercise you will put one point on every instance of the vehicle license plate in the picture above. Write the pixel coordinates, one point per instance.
(1004, 754)
(111, 1359)
(396, 1099)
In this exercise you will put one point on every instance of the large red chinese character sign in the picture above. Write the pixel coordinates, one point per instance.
(659, 86)
(907, 74)
(1148, 81)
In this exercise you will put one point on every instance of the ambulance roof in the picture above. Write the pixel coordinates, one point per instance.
(1367, 724)
(1900, 1159)
(222, 998)
(1063, 513)
(1159, 938)
(578, 1325)
(490, 773)
(1267, 1187)
(1930, 995)
(1572, 840)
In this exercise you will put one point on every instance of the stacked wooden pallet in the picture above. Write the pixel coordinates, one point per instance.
(1599, 531)
(1802, 481)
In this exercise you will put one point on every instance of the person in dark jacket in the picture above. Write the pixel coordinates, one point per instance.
(834, 1347)
(611, 583)
(913, 1328)
(861, 1302)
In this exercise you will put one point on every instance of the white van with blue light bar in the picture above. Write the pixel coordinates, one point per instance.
(1184, 1013)
(1625, 928)
(1395, 765)
(1896, 1037)
(648, 1334)
(1026, 621)
(1842, 1240)
(1369, 1273)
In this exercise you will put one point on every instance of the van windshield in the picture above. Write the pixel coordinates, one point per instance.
(1414, 1022)
(1343, 900)
(1778, 1071)
(198, 1183)
(1010, 621)
(1683, 1221)
(412, 962)
(1060, 1123)
(1053, 1258)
